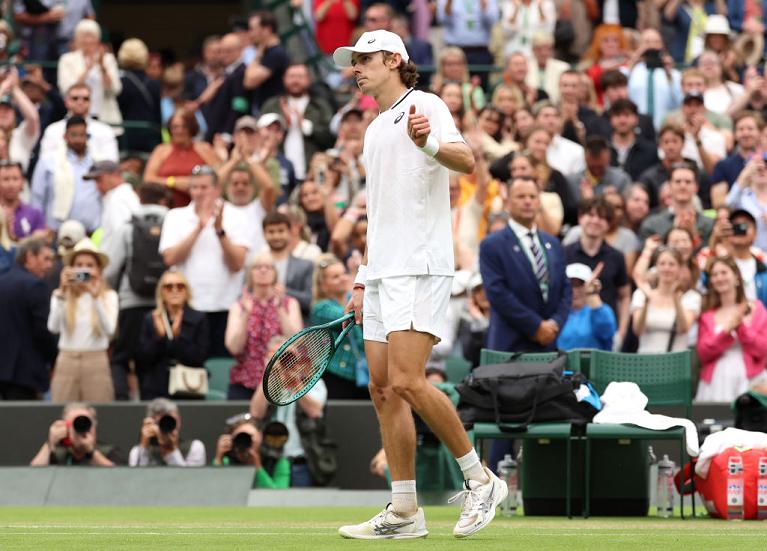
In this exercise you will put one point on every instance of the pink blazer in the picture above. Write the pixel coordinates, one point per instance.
(752, 337)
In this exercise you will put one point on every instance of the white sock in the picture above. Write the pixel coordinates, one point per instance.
(472, 467)
(403, 497)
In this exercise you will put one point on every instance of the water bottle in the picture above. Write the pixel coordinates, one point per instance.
(652, 478)
(665, 493)
(507, 471)
(735, 488)
(761, 490)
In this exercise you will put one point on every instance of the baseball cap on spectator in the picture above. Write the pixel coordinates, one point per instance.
(578, 271)
(717, 24)
(246, 123)
(268, 119)
(70, 233)
(693, 95)
(86, 246)
(369, 42)
(461, 281)
(742, 212)
(101, 167)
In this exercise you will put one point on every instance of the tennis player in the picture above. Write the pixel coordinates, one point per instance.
(402, 289)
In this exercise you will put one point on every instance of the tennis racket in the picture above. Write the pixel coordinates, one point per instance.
(299, 363)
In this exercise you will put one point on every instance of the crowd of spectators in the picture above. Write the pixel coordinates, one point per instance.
(157, 213)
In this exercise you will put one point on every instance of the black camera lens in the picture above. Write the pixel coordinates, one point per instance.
(167, 424)
(740, 229)
(82, 424)
(242, 442)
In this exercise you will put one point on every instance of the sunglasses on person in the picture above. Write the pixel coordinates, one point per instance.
(174, 286)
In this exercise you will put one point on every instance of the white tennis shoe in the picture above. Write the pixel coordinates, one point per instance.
(388, 525)
(479, 503)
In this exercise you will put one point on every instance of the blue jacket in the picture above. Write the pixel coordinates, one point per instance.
(516, 302)
(588, 328)
(28, 347)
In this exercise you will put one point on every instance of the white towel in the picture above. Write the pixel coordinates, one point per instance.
(624, 403)
(716, 443)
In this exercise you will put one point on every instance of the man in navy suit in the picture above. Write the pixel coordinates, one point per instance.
(24, 303)
(523, 271)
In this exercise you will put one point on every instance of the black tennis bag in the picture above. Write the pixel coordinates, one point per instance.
(522, 393)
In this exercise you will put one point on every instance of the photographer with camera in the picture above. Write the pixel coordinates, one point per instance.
(84, 314)
(242, 445)
(160, 443)
(72, 441)
(308, 448)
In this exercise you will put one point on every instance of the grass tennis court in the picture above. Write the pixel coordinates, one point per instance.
(109, 528)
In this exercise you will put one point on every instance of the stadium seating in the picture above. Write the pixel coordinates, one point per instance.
(218, 377)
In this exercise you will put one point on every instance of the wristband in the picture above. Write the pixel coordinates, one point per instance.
(432, 146)
(170, 181)
(362, 276)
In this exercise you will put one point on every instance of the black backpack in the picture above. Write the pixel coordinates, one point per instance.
(521, 393)
(145, 265)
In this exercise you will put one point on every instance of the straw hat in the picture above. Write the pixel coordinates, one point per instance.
(86, 246)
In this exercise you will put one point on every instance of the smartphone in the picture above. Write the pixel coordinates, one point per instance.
(653, 59)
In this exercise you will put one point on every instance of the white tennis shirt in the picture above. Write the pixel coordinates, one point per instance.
(408, 200)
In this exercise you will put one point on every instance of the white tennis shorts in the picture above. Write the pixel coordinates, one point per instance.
(405, 302)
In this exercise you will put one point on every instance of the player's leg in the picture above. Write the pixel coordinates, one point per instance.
(397, 430)
(424, 301)
(402, 518)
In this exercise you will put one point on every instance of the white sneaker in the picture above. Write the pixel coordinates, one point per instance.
(388, 525)
(479, 503)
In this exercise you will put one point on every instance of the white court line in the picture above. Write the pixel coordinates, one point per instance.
(755, 533)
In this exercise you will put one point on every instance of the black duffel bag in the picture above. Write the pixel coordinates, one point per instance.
(522, 393)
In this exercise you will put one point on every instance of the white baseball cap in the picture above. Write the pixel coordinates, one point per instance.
(372, 41)
(578, 271)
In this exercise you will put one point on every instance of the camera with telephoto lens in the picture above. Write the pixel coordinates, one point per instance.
(81, 425)
(166, 424)
(242, 442)
(81, 276)
(740, 229)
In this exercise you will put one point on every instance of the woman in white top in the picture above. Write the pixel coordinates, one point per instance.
(84, 313)
(663, 315)
(522, 19)
(91, 64)
(720, 94)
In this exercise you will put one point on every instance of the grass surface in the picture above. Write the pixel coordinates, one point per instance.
(111, 528)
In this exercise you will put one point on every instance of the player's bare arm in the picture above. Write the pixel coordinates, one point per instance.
(454, 155)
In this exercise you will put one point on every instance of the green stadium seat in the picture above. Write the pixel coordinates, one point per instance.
(456, 369)
(665, 379)
(218, 377)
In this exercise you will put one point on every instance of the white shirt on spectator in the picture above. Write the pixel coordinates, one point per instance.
(22, 144)
(720, 98)
(659, 321)
(214, 287)
(294, 138)
(83, 338)
(118, 205)
(713, 142)
(252, 215)
(102, 143)
(566, 156)
(408, 202)
(139, 457)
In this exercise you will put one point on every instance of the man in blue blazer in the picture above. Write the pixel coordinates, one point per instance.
(523, 271)
(28, 347)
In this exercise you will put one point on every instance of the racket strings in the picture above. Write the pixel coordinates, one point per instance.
(298, 366)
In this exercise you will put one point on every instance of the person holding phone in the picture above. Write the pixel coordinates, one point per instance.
(84, 313)
(732, 336)
(749, 193)
(172, 333)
